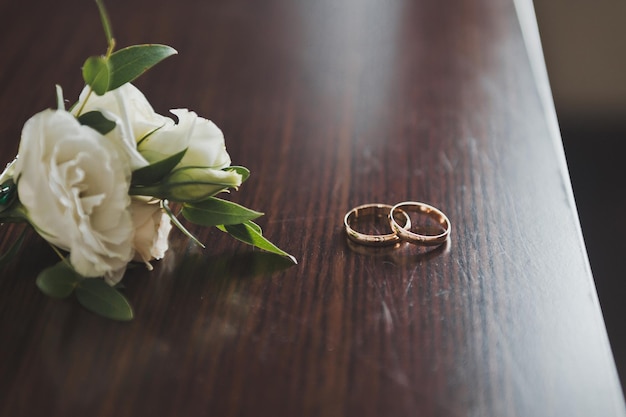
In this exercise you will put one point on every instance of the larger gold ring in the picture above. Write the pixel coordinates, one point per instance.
(420, 239)
(378, 210)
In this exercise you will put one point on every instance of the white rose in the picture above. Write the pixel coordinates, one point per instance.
(200, 173)
(202, 138)
(155, 137)
(133, 114)
(152, 228)
(74, 184)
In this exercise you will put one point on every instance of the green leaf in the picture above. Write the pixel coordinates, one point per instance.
(97, 296)
(243, 171)
(129, 63)
(179, 225)
(15, 247)
(250, 233)
(96, 120)
(14, 213)
(215, 211)
(97, 74)
(153, 173)
(58, 281)
(255, 227)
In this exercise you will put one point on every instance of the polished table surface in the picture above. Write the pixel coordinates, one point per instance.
(331, 104)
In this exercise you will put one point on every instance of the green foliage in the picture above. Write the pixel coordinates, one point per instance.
(179, 225)
(14, 212)
(129, 63)
(106, 73)
(97, 121)
(155, 172)
(58, 281)
(97, 74)
(215, 211)
(97, 296)
(251, 233)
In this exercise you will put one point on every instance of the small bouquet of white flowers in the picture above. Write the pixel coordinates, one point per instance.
(96, 180)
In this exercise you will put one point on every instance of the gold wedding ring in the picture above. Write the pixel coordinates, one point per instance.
(404, 233)
(378, 210)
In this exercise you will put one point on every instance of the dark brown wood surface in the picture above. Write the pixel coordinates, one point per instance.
(331, 104)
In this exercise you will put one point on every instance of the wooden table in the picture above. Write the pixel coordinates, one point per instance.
(331, 104)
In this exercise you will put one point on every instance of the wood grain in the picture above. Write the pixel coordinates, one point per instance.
(331, 104)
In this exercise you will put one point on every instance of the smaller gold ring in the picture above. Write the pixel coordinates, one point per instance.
(373, 209)
(419, 239)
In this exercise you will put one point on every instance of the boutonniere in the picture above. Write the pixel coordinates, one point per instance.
(98, 180)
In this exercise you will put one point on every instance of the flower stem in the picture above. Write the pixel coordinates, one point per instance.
(82, 106)
(110, 48)
(106, 25)
(60, 255)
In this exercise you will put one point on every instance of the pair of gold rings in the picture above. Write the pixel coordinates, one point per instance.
(433, 234)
